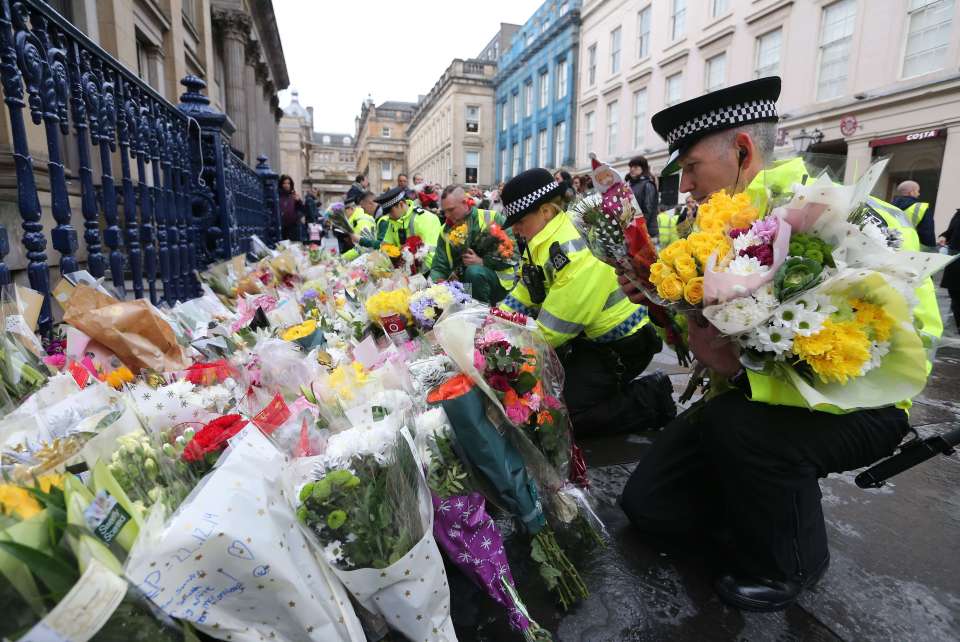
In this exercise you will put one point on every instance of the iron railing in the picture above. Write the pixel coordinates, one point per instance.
(183, 198)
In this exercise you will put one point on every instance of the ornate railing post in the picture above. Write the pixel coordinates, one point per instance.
(4, 248)
(271, 201)
(211, 209)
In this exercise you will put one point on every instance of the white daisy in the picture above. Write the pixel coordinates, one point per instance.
(878, 350)
(333, 552)
(808, 322)
(775, 339)
(786, 316)
(765, 296)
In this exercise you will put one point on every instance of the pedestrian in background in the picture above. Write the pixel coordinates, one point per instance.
(951, 274)
(291, 210)
(919, 214)
(563, 177)
(645, 190)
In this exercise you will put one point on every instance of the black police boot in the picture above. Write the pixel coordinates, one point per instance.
(654, 392)
(759, 594)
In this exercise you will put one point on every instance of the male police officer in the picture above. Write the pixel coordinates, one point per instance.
(402, 220)
(574, 297)
(746, 462)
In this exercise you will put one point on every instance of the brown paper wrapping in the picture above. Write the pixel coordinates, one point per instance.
(130, 329)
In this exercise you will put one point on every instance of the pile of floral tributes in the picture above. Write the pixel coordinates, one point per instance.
(294, 455)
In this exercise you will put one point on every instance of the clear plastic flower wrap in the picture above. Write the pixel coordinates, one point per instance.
(366, 503)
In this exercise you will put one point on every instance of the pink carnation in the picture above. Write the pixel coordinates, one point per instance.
(766, 228)
(763, 253)
(479, 361)
(518, 413)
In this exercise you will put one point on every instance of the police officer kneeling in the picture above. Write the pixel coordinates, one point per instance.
(606, 340)
(744, 464)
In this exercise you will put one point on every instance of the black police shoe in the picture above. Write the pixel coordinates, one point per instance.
(759, 594)
(655, 394)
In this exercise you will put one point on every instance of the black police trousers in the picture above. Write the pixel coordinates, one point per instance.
(750, 470)
(597, 377)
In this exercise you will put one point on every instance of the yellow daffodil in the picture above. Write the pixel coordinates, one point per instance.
(300, 330)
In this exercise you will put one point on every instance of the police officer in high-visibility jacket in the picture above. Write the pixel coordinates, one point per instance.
(667, 222)
(917, 213)
(402, 220)
(361, 221)
(747, 462)
(604, 341)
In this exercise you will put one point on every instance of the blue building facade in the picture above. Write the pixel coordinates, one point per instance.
(536, 92)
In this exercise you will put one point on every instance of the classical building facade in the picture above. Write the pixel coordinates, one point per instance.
(865, 78)
(451, 136)
(536, 91)
(233, 45)
(500, 43)
(381, 141)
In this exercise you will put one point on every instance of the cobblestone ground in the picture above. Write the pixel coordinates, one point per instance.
(894, 574)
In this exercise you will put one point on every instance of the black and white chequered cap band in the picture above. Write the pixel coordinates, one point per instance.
(749, 112)
(393, 201)
(524, 202)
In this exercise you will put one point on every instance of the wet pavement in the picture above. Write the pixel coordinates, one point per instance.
(895, 555)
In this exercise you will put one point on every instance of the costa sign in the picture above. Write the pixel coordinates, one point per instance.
(908, 138)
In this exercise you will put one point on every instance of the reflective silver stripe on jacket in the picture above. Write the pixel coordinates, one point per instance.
(615, 297)
(557, 324)
(573, 245)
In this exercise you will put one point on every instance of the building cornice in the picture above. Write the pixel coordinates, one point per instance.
(763, 12)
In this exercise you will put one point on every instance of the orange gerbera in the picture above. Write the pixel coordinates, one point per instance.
(544, 417)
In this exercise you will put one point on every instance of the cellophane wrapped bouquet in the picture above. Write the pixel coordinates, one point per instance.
(813, 292)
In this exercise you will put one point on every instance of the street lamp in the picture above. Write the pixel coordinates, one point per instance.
(803, 140)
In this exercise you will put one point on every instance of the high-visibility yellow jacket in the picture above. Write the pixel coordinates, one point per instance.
(360, 221)
(479, 220)
(416, 221)
(582, 296)
(927, 314)
(667, 226)
(916, 212)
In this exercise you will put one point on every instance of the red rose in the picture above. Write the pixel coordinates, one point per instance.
(205, 374)
(413, 244)
(498, 381)
(213, 437)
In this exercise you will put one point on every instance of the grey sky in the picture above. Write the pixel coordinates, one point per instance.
(338, 51)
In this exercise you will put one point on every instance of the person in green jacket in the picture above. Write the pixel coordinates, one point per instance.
(402, 220)
(743, 467)
(489, 274)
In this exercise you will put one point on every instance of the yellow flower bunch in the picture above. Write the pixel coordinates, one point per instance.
(458, 235)
(390, 250)
(837, 352)
(118, 377)
(873, 317)
(16, 501)
(678, 273)
(388, 302)
(300, 330)
(344, 379)
(723, 212)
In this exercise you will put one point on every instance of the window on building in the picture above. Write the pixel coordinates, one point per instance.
(615, 50)
(504, 164)
(678, 19)
(515, 99)
(673, 92)
(326, 139)
(386, 171)
(503, 116)
(768, 54)
(559, 143)
(472, 167)
(528, 99)
(718, 7)
(592, 65)
(715, 75)
(928, 36)
(542, 147)
(639, 118)
(473, 118)
(836, 35)
(613, 127)
(515, 159)
(189, 10)
(528, 152)
(385, 132)
(561, 79)
(529, 38)
(589, 120)
(563, 7)
(643, 33)
(545, 24)
(544, 88)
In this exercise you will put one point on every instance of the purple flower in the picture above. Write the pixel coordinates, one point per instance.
(766, 228)
(309, 294)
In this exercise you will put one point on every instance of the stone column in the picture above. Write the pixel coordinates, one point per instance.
(234, 28)
(948, 194)
(251, 93)
(859, 158)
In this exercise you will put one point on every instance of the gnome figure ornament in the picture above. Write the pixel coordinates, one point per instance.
(617, 197)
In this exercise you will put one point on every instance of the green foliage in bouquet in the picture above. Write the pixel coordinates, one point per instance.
(359, 516)
(151, 474)
(796, 275)
(21, 373)
(811, 247)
